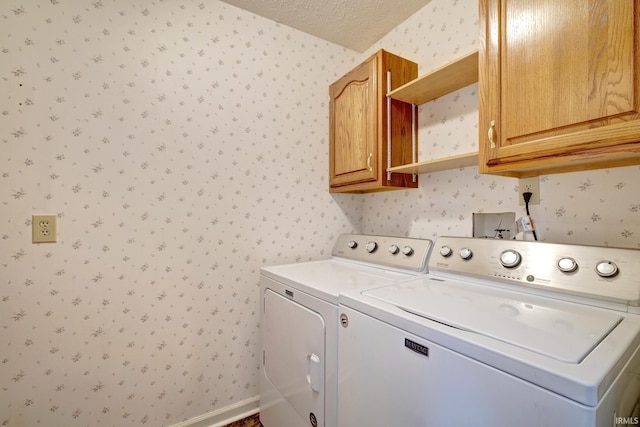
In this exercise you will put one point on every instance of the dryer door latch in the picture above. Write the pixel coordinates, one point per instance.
(314, 375)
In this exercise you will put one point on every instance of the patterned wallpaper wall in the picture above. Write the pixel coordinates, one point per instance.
(596, 207)
(182, 145)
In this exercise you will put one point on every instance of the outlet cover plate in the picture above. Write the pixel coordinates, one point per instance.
(44, 228)
(529, 184)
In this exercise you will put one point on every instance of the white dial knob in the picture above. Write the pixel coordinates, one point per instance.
(445, 251)
(510, 258)
(606, 269)
(567, 265)
(371, 246)
(466, 253)
(393, 249)
(407, 250)
(352, 244)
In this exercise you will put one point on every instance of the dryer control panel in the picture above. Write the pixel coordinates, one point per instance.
(601, 273)
(403, 253)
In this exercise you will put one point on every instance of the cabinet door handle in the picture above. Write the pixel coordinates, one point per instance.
(369, 161)
(492, 134)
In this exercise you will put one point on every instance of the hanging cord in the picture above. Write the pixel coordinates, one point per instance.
(527, 197)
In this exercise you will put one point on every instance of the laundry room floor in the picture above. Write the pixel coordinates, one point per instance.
(251, 421)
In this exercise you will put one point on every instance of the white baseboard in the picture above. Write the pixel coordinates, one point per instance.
(224, 416)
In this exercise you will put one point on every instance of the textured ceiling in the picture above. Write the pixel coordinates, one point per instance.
(354, 24)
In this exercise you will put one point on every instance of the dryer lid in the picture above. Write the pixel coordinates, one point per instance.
(326, 279)
(562, 330)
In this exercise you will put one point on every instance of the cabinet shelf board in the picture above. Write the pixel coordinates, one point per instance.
(441, 81)
(446, 163)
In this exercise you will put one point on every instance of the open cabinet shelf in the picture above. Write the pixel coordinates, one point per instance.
(450, 77)
(443, 80)
(446, 163)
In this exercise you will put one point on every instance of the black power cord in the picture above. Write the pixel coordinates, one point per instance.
(527, 197)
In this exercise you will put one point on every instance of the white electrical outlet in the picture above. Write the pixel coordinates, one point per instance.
(531, 185)
(44, 228)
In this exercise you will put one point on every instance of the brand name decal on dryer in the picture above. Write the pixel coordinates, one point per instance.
(418, 348)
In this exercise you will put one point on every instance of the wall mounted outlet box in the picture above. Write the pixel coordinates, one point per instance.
(531, 185)
(44, 228)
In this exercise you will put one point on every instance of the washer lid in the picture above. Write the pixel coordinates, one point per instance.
(564, 331)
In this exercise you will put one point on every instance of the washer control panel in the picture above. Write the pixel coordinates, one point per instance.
(387, 251)
(603, 273)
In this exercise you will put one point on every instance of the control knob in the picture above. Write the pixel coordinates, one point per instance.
(407, 250)
(352, 244)
(446, 251)
(606, 269)
(371, 247)
(466, 253)
(567, 265)
(510, 258)
(394, 249)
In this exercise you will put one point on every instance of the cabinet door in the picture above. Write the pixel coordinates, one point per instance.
(559, 85)
(352, 113)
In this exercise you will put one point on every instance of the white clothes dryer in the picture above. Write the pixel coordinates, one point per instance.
(299, 322)
(499, 333)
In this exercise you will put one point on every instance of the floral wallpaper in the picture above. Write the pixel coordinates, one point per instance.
(182, 144)
(594, 207)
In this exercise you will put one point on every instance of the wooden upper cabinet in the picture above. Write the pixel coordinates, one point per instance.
(359, 153)
(559, 85)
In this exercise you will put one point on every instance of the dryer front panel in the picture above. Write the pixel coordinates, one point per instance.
(294, 354)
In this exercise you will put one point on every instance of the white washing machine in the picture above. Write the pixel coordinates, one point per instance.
(499, 334)
(299, 313)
